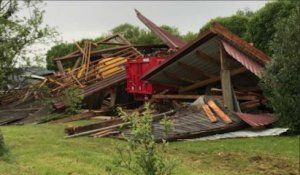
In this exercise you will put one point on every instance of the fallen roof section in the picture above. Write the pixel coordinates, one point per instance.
(201, 58)
(171, 40)
(256, 120)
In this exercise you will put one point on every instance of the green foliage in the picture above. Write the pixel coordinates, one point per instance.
(72, 98)
(59, 50)
(18, 34)
(281, 82)
(262, 25)
(190, 36)
(133, 34)
(4, 151)
(237, 23)
(142, 156)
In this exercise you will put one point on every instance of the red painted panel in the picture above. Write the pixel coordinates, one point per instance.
(135, 69)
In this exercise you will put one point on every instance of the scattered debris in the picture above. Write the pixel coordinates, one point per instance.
(204, 87)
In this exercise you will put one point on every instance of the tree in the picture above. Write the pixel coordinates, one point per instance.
(262, 25)
(237, 23)
(58, 50)
(281, 80)
(133, 34)
(17, 34)
(190, 36)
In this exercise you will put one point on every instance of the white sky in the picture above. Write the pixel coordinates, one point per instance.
(85, 19)
(75, 20)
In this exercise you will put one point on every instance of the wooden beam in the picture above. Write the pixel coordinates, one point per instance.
(60, 68)
(93, 53)
(211, 80)
(209, 114)
(194, 69)
(219, 111)
(177, 77)
(165, 84)
(176, 96)
(203, 56)
(226, 80)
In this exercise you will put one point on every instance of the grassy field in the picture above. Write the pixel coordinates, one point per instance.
(42, 150)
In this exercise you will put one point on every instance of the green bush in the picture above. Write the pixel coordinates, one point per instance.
(142, 155)
(4, 152)
(281, 82)
(72, 98)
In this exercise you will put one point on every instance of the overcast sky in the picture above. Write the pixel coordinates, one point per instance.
(86, 19)
(75, 20)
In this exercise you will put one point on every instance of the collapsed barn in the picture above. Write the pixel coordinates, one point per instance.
(219, 72)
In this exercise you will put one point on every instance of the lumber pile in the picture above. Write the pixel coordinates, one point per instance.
(248, 100)
(91, 64)
(105, 128)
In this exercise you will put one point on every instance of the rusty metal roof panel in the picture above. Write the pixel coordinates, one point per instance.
(103, 84)
(192, 122)
(204, 41)
(169, 39)
(256, 120)
(251, 65)
(192, 59)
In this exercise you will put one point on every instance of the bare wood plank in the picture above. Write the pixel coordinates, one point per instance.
(201, 55)
(226, 79)
(177, 77)
(209, 114)
(219, 111)
(199, 84)
(175, 96)
(194, 69)
(93, 53)
(60, 68)
(165, 84)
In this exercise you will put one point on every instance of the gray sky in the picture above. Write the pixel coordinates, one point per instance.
(75, 20)
(87, 19)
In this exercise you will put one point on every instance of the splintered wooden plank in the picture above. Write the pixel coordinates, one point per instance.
(219, 111)
(209, 113)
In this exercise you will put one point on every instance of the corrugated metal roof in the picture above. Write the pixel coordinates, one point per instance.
(208, 44)
(251, 65)
(256, 120)
(192, 122)
(171, 40)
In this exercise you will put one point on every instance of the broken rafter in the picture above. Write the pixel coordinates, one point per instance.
(175, 96)
(93, 53)
(165, 84)
(199, 84)
(194, 69)
(203, 56)
(177, 77)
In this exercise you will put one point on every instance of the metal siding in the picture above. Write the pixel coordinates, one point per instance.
(192, 59)
(243, 59)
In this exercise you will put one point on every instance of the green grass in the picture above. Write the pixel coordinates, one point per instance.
(43, 150)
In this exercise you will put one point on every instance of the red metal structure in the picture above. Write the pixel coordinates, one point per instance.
(135, 69)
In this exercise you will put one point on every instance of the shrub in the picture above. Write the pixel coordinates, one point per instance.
(142, 156)
(72, 98)
(281, 82)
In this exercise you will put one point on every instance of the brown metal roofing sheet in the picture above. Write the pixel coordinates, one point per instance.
(181, 52)
(106, 83)
(171, 40)
(251, 65)
(256, 120)
(220, 31)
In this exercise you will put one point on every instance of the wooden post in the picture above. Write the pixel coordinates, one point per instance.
(113, 97)
(226, 79)
(60, 68)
